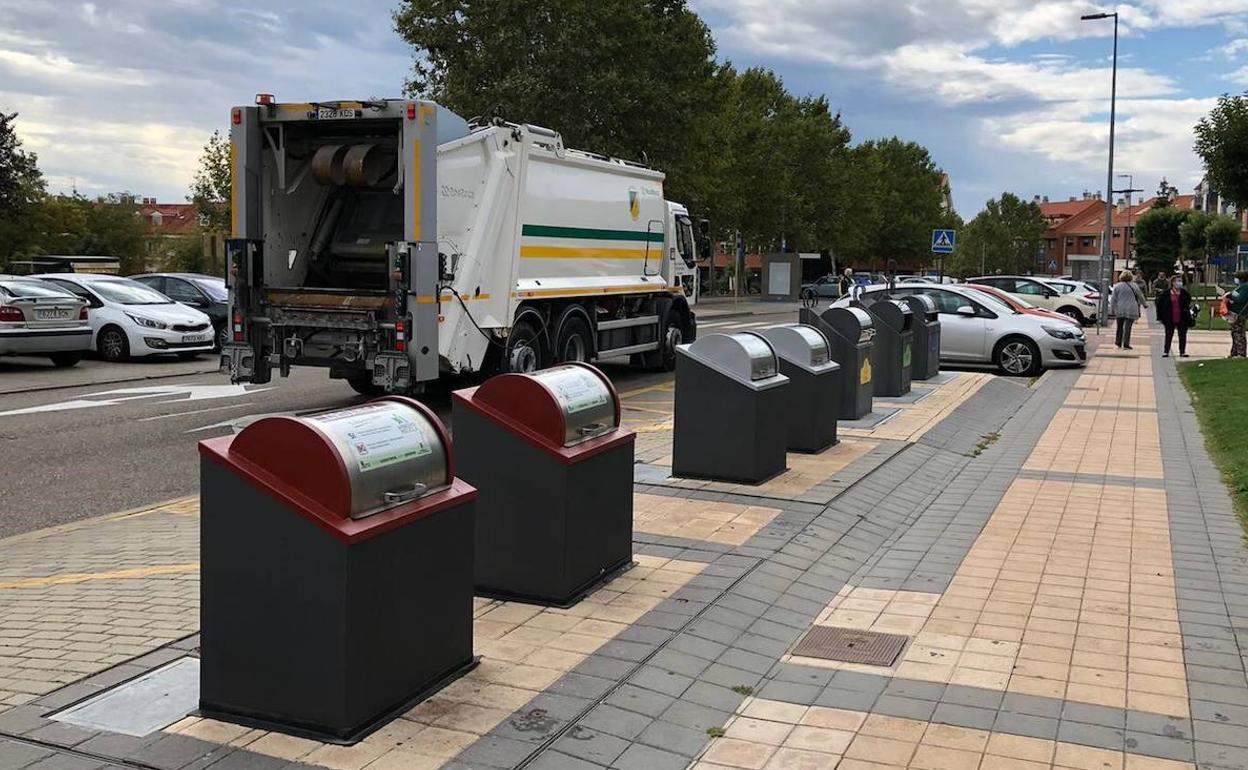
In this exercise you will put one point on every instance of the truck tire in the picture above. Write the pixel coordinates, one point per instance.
(363, 384)
(574, 343)
(672, 334)
(524, 348)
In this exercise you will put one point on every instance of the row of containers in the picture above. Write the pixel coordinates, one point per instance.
(341, 551)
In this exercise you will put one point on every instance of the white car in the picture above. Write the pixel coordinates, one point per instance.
(130, 320)
(1044, 292)
(41, 320)
(975, 328)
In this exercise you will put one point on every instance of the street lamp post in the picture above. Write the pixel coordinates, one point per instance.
(1127, 251)
(1103, 309)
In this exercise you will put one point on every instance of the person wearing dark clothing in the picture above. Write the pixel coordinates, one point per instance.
(1237, 308)
(847, 281)
(1161, 285)
(1174, 312)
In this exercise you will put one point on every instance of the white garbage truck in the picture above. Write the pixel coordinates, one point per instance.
(392, 243)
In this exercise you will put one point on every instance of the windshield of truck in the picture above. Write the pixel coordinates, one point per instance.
(684, 240)
(126, 292)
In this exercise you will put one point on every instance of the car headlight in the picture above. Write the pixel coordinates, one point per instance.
(147, 322)
(1060, 333)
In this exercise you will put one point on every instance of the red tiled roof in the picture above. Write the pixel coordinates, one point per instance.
(174, 219)
(1063, 209)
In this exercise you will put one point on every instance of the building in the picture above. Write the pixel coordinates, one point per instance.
(171, 223)
(169, 218)
(1060, 242)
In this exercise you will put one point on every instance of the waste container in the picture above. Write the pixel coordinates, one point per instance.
(335, 568)
(851, 333)
(814, 399)
(893, 352)
(926, 362)
(554, 474)
(731, 416)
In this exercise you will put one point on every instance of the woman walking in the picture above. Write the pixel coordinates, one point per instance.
(1174, 311)
(1237, 309)
(1125, 302)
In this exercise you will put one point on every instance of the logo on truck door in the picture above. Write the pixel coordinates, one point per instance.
(634, 202)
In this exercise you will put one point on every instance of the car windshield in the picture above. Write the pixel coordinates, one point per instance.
(126, 292)
(32, 289)
(994, 304)
(213, 288)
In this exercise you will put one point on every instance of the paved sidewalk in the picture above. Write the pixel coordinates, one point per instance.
(1059, 562)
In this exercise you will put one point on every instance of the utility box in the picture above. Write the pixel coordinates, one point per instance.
(851, 333)
(893, 353)
(336, 569)
(926, 362)
(554, 474)
(731, 421)
(814, 385)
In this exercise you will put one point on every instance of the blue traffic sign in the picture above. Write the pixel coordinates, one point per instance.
(1243, 249)
(943, 241)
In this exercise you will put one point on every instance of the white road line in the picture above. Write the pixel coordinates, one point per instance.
(194, 411)
(715, 325)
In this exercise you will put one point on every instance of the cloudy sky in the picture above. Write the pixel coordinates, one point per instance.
(1008, 94)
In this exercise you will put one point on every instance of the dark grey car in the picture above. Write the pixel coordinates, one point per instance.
(205, 293)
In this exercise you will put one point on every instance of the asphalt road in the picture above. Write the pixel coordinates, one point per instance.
(72, 452)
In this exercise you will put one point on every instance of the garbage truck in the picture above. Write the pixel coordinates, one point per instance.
(392, 243)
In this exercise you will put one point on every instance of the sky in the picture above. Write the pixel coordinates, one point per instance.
(1009, 95)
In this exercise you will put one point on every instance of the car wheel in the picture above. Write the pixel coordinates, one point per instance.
(223, 336)
(62, 360)
(524, 348)
(1017, 357)
(363, 384)
(573, 343)
(112, 344)
(1073, 314)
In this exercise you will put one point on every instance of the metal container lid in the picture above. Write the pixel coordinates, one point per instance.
(743, 356)
(894, 314)
(801, 345)
(562, 406)
(852, 323)
(915, 301)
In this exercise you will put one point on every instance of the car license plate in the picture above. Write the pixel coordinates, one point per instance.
(53, 314)
(328, 113)
(194, 337)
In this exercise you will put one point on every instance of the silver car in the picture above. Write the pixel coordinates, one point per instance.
(37, 319)
(975, 328)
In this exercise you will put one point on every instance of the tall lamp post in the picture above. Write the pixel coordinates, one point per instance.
(1127, 251)
(1103, 310)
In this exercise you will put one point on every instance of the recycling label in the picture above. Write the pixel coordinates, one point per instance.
(864, 376)
(905, 356)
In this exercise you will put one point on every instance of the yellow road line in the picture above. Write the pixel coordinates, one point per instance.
(648, 389)
(631, 408)
(86, 577)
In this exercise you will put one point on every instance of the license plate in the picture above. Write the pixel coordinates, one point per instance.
(53, 314)
(194, 337)
(328, 113)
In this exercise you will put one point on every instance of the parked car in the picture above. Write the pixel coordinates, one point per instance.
(823, 286)
(1041, 293)
(1021, 305)
(130, 320)
(206, 293)
(37, 319)
(975, 328)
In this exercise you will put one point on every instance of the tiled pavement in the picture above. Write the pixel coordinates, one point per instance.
(1062, 555)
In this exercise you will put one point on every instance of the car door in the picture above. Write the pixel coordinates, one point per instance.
(1037, 293)
(180, 290)
(961, 336)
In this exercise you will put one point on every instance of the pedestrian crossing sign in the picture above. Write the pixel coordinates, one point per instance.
(943, 241)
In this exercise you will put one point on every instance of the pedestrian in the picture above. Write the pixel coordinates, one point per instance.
(1174, 311)
(1237, 312)
(846, 282)
(1125, 302)
(1161, 284)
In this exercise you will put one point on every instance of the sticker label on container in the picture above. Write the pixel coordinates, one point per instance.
(762, 360)
(576, 389)
(378, 436)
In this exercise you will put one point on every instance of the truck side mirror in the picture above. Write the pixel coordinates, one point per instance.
(704, 227)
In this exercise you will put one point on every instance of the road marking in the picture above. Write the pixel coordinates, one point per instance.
(179, 393)
(715, 325)
(661, 386)
(193, 411)
(86, 577)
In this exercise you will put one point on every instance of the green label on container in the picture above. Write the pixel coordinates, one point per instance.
(905, 356)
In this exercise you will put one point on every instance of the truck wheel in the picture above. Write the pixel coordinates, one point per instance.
(363, 384)
(664, 359)
(524, 348)
(573, 344)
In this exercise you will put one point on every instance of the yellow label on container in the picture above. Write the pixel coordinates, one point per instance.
(864, 376)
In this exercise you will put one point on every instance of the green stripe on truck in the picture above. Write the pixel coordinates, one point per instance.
(550, 231)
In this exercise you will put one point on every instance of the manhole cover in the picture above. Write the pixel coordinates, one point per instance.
(143, 705)
(851, 645)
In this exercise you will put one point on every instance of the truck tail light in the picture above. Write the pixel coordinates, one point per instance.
(236, 116)
(400, 338)
(82, 314)
(11, 314)
(411, 110)
(265, 99)
(238, 327)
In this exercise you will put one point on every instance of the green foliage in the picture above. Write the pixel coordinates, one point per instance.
(1217, 394)
(1222, 144)
(1004, 236)
(1192, 234)
(210, 188)
(71, 224)
(21, 189)
(1222, 235)
(1158, 238)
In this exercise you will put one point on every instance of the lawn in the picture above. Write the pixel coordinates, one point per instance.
(1219, 391)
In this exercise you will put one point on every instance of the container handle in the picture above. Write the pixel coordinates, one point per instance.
(594, 429)
(403, 494)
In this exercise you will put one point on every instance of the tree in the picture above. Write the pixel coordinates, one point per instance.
(1193, 235)
(897, 193)
(21, 189)
(210, 188)
(1158, 239)
(1222, 144)
(1222, 236)
(622, 77)
(1005, 236)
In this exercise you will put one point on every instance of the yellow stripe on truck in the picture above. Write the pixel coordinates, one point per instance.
(589, 292)
(233, 190)
(576, 252)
